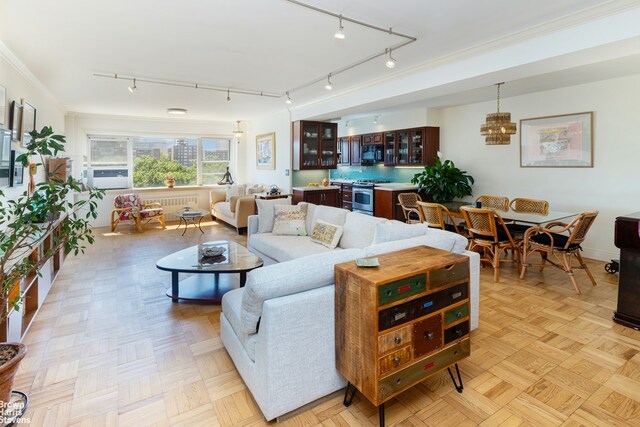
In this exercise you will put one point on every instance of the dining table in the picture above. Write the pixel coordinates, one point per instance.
(513, 215)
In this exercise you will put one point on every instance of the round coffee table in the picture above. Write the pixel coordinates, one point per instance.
(214, 275)
(190, 217)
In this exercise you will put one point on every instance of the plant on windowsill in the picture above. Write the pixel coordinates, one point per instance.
(443, 181)
(24, 222)
(170, 181)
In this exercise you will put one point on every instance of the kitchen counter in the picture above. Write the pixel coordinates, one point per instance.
(343, 181)
(396, 187)
(320, 187)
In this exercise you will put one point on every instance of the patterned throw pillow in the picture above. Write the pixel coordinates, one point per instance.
(326, 234)
(235, 190)
(290, 220)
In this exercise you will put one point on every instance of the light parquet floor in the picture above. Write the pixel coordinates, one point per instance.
(108, 348)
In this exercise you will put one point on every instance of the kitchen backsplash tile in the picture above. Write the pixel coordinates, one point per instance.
(379, 172)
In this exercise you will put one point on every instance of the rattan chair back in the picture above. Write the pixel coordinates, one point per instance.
(530, 206)
(409, 204)
(432, 214)
(480, 222)
(581, 226)
(494, 202)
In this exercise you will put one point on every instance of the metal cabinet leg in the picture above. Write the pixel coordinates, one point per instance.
(349, 398)
(460, 387)
(381, 414)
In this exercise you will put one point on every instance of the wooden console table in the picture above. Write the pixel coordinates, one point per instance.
(401, 322)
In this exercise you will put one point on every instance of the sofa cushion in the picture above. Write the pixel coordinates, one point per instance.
(232, 306)
(224, 208)
(234, 190)
(435, 238)
(326, 234)
(288, 278)
(358, 230)
(266, 213)
(254, 189)
(311, 211)
(335, 216)
(395, 230)
(290, 220)
(285, 248)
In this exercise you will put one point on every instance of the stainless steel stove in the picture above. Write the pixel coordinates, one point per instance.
(362, 198)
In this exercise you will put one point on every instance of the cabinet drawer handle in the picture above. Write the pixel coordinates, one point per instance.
(404, 288)
(456, 295)
(397, 340)
(429, 336)
(396, 360)
(399, 316)
(459, 314)
(389, 293)
(449, 267)
(458, 332)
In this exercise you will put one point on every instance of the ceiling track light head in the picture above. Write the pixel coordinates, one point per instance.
(329, 85)
(339, 34)
(289, 100)
(132, 88)
(375, 120)
(228, 95)
(391, 63)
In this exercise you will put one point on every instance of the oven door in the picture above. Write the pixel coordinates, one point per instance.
(362, 199)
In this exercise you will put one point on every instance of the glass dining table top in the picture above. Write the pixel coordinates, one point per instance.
(512, 215)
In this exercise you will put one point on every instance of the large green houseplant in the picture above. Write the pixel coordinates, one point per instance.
(24, 221)
(443, 181)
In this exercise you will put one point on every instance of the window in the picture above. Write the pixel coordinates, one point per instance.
(147, 161)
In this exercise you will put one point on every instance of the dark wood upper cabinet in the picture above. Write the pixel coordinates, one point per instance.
(355, 142)
(344, 151)
(418, 146)
(315, 145)
(372, 138)
(390, 148)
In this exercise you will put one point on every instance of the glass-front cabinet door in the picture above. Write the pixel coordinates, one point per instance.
(389, 148)
(310, 144)
(328, 145)
(416, 147)
(403, 147)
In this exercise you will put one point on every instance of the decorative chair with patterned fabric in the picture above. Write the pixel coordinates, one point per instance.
(494, 202)
(433, 214)
(487, 231)
(559, 239)
(129, 208)
(409, 205)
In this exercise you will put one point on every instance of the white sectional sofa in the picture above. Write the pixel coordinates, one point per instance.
(279, 328)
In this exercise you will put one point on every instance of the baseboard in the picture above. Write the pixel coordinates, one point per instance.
(599, 255)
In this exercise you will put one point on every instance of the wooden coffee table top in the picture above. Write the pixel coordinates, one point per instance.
(236, 258)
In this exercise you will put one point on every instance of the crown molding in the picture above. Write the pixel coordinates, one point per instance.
(7, 55)
(81, 115)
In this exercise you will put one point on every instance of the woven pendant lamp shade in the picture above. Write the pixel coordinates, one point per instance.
(498, 127)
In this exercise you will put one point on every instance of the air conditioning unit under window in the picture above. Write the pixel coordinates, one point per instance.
(109, 178)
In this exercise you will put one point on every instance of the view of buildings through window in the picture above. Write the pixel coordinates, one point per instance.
(153, 159)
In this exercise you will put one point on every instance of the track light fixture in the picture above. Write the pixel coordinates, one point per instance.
(328, 86)
(346, 124)
(391, 63)
(339, 34)
(228, 96)
(134, 87)
(237, 131)
(375, 120)
(289, 100)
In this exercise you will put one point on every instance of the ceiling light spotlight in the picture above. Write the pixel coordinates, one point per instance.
(339, 34)
(375, 120)
(177, 111)
(134, 87)
(391, 63)
(328, 86)
(238, 132)
(288, 101)
(228, 95)
(346, 124)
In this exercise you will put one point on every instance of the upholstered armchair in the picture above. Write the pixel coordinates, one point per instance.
(129, 208)
(233, 205)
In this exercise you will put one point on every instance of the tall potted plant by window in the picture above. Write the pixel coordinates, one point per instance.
(24, 221)
(443, 181)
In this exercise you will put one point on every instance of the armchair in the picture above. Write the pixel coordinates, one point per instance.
(129, 208)
(235, 211)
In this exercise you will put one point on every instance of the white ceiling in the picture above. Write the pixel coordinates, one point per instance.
(263, 45)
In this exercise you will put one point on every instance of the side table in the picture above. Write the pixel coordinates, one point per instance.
(267, 196)
(191, 216)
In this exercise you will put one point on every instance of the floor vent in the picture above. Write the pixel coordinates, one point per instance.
(171, 205)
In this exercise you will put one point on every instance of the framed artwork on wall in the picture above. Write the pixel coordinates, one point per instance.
(28, 122)
(266, 151)
(564, 141)
(3, 105)
(15, 118)
(5, 157)
(17, 169)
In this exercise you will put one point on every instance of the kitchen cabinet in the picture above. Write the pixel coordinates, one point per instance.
(321, 196)
(315, 145)
(386, 205)
(417, 147)
(346, 194)
(372, 138)
(355, 142)
(390, 148)
(344, 151)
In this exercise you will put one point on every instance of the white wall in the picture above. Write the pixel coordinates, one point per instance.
(279, 123)
(20, 84)
(416, 117)
(611, 186)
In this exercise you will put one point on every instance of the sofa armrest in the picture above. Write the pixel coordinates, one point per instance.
(215, 196)
(252, 225)
(245, 206)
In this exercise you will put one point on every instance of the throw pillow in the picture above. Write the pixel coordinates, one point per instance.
(326, 234)
(255, 189)
(396, 230)
(290, 220)
(235, 190)
(266, 213)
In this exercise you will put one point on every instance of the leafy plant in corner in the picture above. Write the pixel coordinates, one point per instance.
(443, 181)
(26, 219)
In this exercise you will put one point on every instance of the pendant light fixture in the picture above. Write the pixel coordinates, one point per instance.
(498, 128)
(391, 63)
(339, 34)
(328, 86)
(238, 132)
(134, 87)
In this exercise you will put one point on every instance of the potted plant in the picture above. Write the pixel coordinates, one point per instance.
(170, 181)
(24, 221)
(443, 181)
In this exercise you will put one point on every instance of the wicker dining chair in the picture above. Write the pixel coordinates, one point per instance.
(433, 214)
(409, 205)
(494, 202)
(526, 206)
(562, 241)
(487, 231)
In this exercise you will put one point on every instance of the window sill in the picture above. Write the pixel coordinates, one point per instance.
(161, 189)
